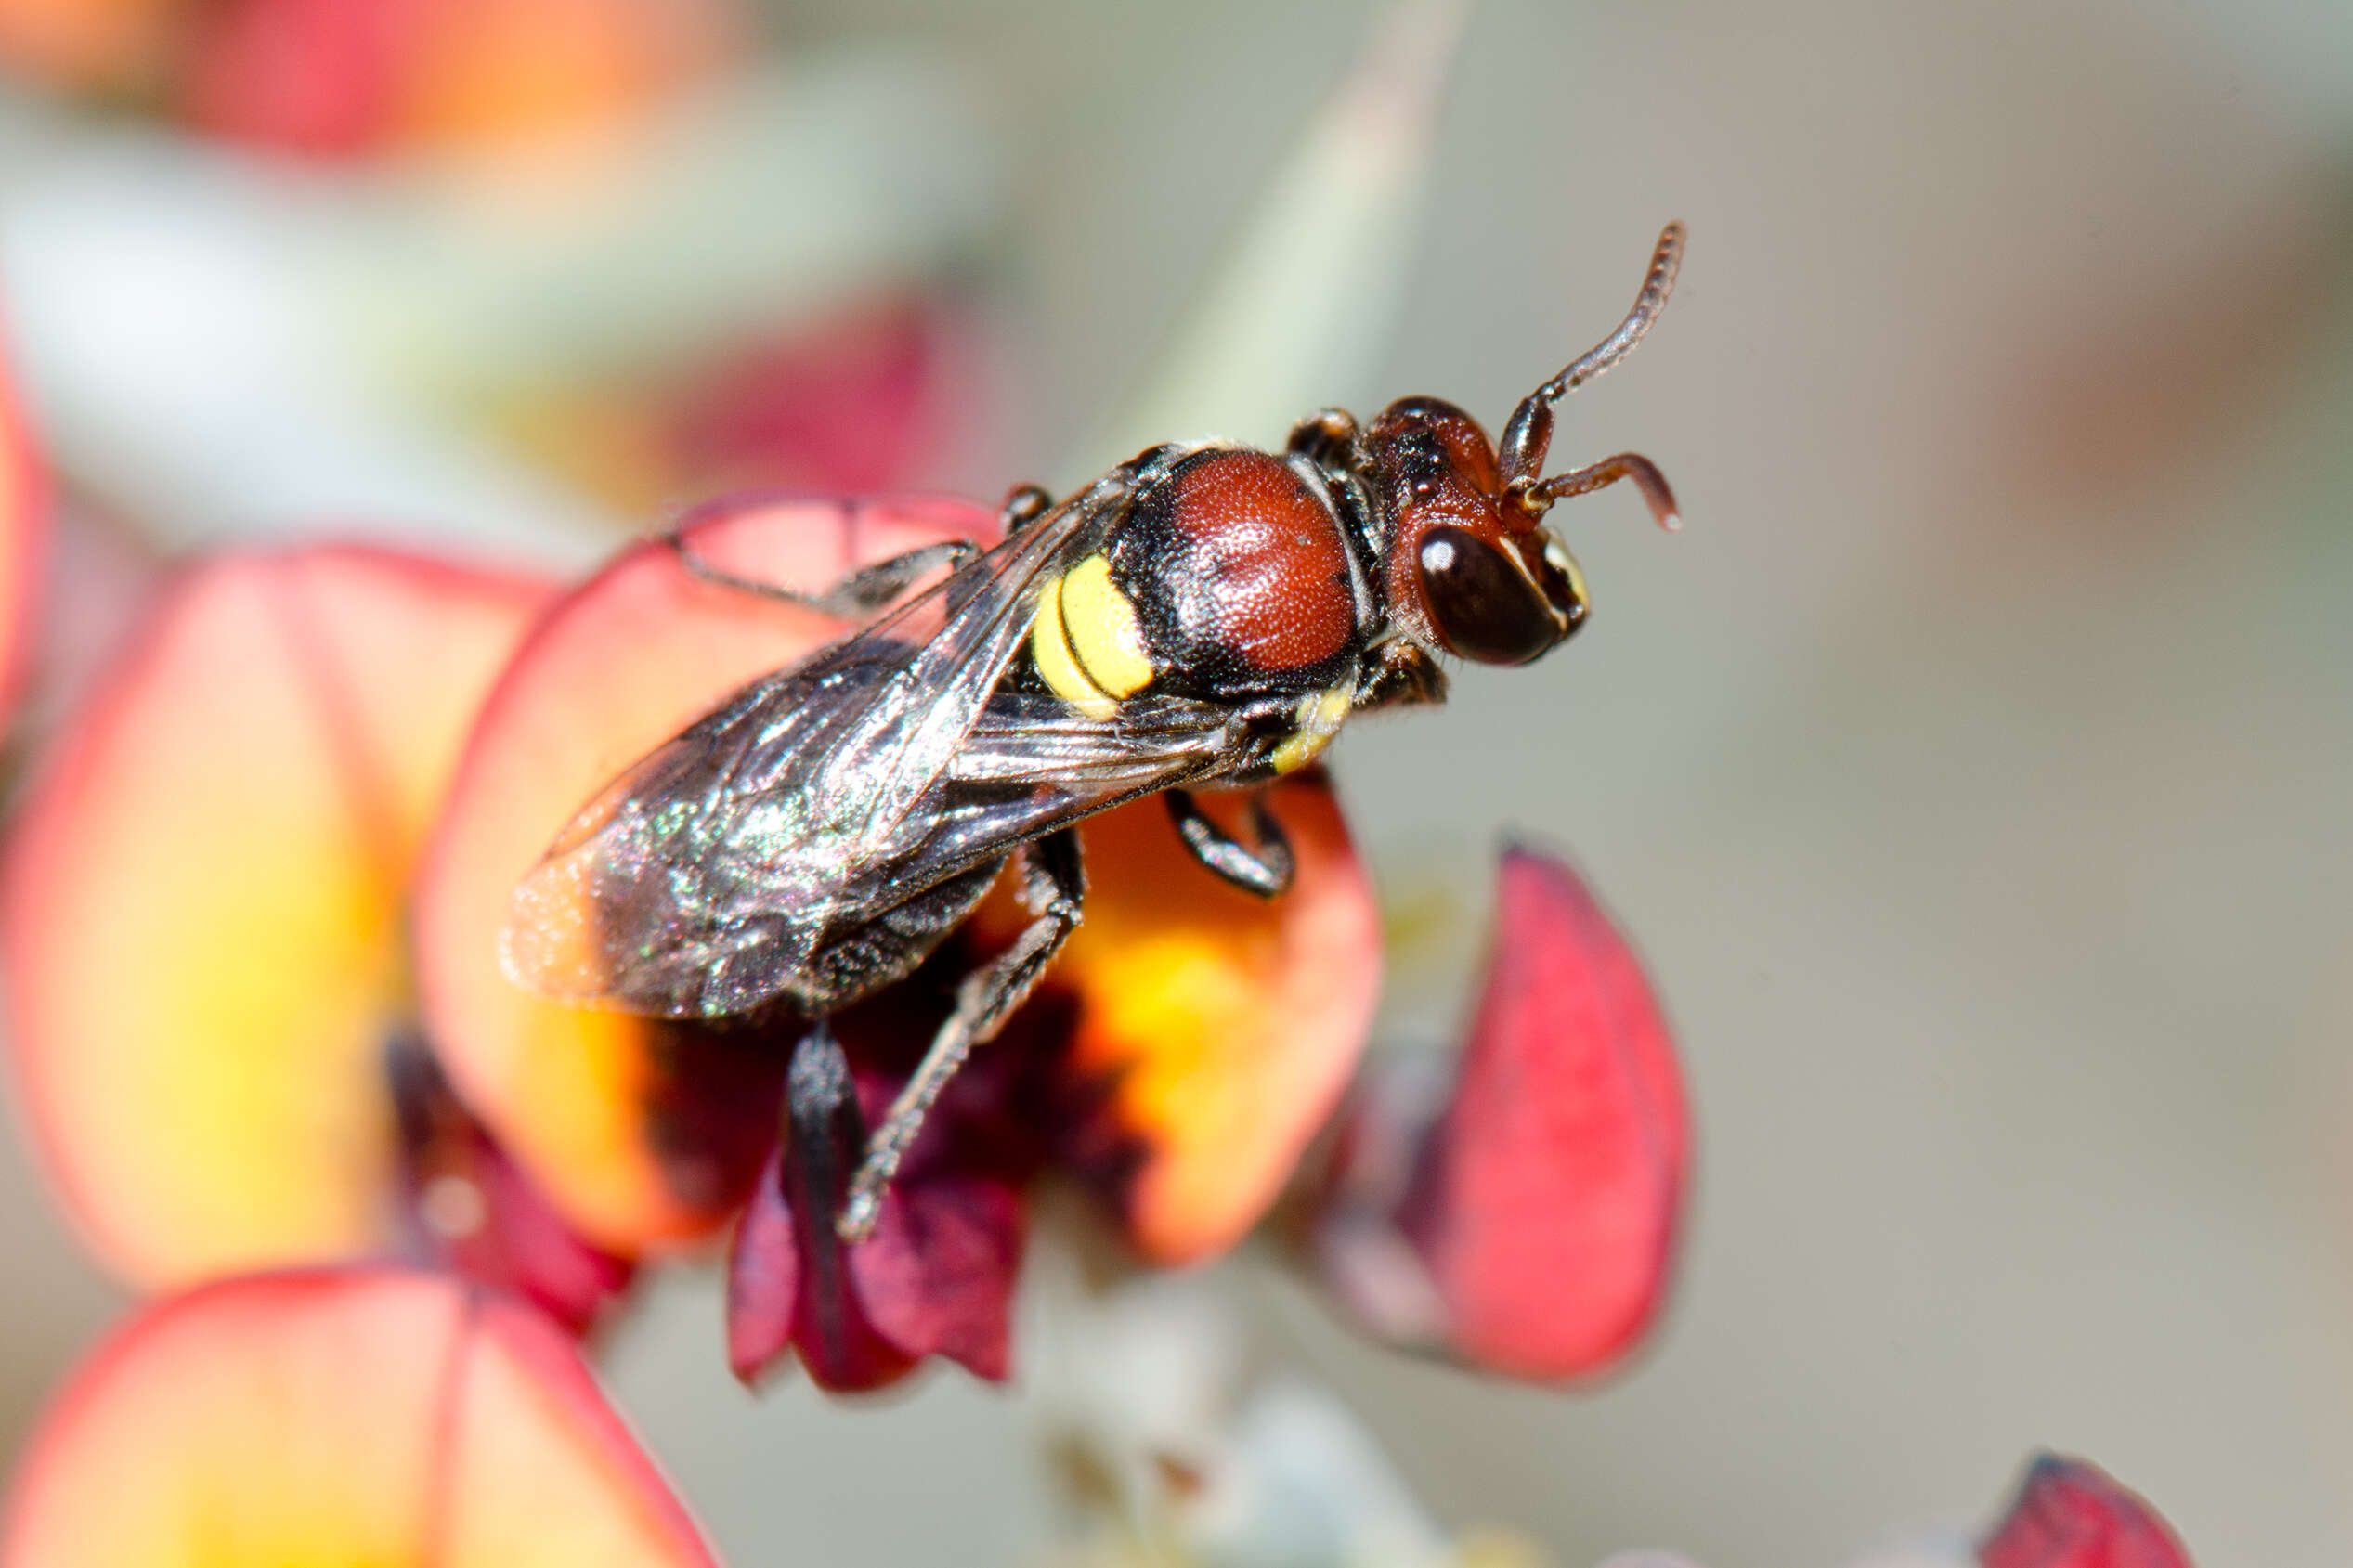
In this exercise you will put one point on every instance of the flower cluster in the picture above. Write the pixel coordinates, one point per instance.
(253, 907)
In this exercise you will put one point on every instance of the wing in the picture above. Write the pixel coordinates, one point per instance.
(701, 882)
(1032, 764)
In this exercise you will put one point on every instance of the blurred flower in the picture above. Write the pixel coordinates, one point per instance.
(210, 1004)
(366, 1415)
(1528, 1222)
(2069, 1514)
(1174, 1448)
(864, 398)
(24, 530)
(512, 351)
(1185, 1045)
(340, 77)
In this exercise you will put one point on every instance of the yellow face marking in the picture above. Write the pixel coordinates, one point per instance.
(1319, 717)
(1102, 628)
(1050, 648)
(1565, 563)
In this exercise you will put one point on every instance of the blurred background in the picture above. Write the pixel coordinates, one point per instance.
(1972, 771)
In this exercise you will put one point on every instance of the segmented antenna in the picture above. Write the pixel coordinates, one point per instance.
(1529, 435)
(1657, 286)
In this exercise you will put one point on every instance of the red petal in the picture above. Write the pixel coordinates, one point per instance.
(1528, 1226)
(936, 1278)
(789, 1287)
(2069, 1514)
(764, 1278)
(1552, 1196)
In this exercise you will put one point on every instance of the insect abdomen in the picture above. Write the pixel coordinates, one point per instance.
(1087, 643)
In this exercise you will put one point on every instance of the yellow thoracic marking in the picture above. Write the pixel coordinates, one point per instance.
(1100, 625)
(1319, 717)
(1050, 650)
(1086, 641)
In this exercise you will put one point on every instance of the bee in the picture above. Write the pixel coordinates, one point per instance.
(1203, 616)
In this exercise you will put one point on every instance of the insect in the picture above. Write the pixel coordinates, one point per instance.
(1204, 615)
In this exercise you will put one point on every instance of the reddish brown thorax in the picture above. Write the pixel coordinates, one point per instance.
(1238, 568)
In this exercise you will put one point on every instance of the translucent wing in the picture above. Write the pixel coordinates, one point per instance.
(1032, 764)
(703, 881)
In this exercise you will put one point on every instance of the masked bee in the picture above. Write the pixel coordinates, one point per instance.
(1203, 616)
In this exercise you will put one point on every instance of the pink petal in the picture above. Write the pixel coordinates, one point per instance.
(853, 406)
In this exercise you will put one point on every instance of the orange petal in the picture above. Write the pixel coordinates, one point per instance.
(640, 1131)
(24, 527)
(1214, 1031)
(492, 71)
(202, 897)
(368, 1416)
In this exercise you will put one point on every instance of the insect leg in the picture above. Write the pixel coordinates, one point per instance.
(1402, 675)
(1609, 471)
(861, 593)
(1055, 889)
(1264, 872)
(1328, 436)
(823, 1136)
(1024, 504)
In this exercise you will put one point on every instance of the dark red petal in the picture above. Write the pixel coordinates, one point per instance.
(764, 1278)
(524, 1245)
(1550, 1202)
(2069, 1514)
(842, 1352)
(936, 1278)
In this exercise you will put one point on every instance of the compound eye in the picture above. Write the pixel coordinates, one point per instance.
(1484, 607)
